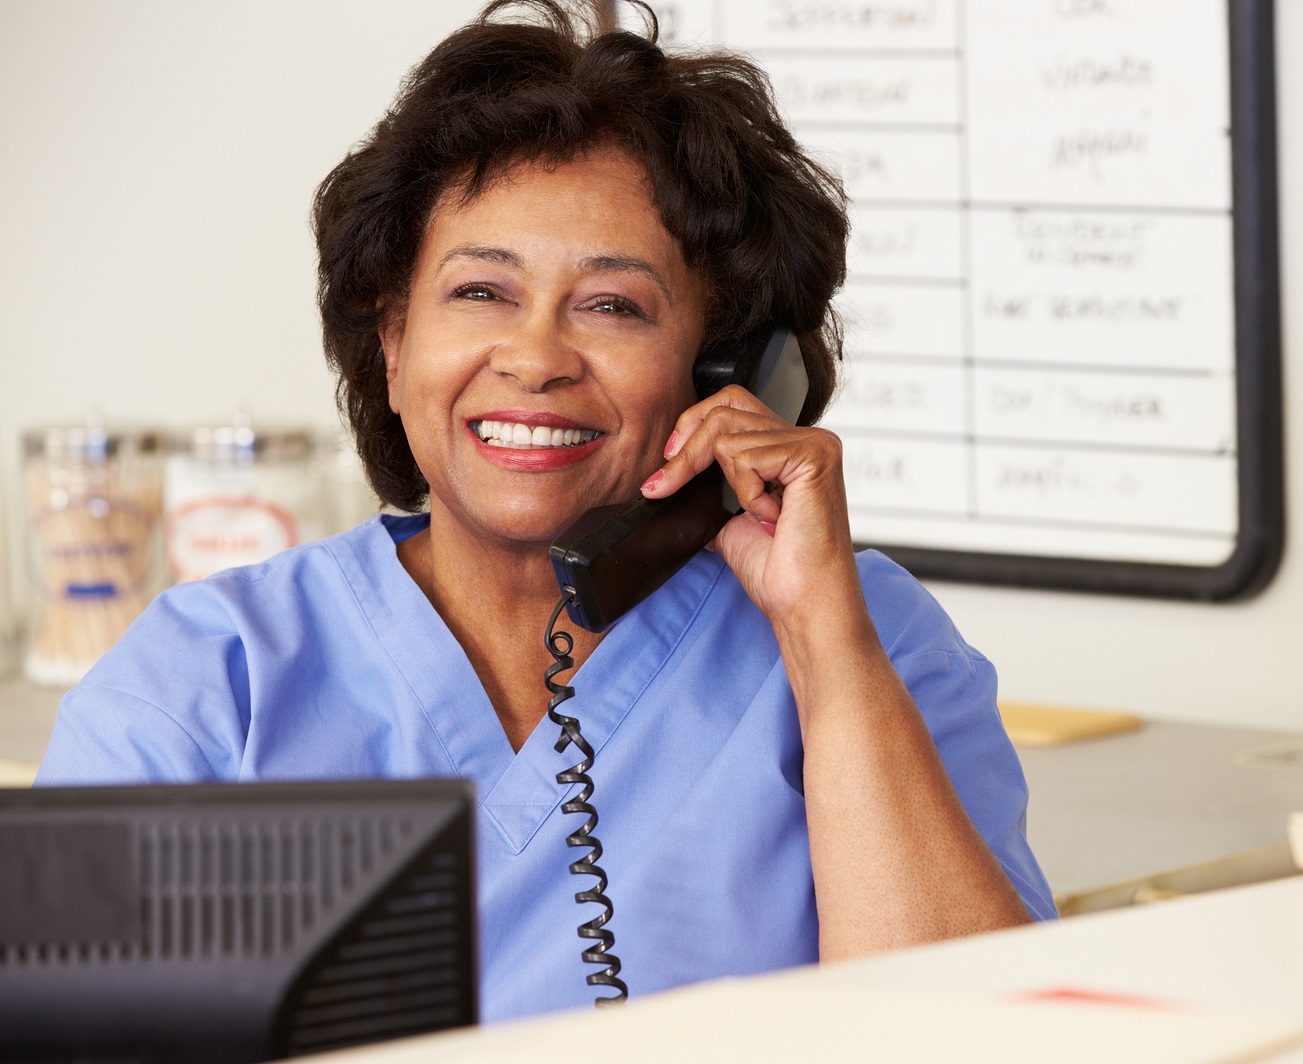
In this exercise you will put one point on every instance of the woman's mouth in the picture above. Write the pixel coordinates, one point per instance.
(520, 437)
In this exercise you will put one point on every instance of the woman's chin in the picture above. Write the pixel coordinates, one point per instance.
(517, 530)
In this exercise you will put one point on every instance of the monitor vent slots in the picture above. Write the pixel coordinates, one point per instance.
(207, 888)
(233, 889)
(400, 971)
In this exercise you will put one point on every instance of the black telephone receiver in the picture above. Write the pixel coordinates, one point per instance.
(613, 557)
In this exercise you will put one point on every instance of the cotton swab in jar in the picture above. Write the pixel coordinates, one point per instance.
(94, 502)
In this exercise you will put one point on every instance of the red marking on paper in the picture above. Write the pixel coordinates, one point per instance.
(1095, 997)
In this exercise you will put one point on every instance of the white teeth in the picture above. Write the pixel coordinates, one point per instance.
(510, 434)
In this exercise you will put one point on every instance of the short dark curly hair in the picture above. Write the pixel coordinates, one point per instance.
(762, 223)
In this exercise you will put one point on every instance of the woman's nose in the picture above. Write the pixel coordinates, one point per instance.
(538, 356)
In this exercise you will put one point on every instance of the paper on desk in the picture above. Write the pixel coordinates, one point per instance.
(1035, 725)
(783, 1019)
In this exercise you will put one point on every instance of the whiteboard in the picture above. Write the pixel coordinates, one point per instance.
(1062, 302)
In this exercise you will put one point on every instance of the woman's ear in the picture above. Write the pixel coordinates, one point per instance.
(391, 343)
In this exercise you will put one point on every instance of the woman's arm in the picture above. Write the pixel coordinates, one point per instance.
(896, 859)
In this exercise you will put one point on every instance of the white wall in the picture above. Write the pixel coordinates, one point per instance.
(156, 165)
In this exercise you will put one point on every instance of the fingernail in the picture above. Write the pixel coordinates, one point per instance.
(653, 480)
(669, 444)
(768, 526)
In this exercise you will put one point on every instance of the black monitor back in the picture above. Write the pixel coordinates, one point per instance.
(233, 923)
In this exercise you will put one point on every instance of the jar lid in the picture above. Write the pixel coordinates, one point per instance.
(242, 444)
(89, 443)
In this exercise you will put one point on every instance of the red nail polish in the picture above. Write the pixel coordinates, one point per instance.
(653, 480)
(768, 526)
(669, 444)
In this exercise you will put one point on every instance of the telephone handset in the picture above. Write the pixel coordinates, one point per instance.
(613, 557)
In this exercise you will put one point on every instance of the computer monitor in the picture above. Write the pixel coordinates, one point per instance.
(232, 923)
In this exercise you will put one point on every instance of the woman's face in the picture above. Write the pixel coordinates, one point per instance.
(547, 348)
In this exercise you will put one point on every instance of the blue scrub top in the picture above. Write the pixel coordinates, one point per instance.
(328, 662)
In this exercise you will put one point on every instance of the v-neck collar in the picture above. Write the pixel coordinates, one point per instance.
(517, 791)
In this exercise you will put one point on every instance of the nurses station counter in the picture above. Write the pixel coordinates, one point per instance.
(1166, 809)
(1212, 979)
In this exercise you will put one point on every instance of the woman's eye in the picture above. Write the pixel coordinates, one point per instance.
(616, 305)
(475, 291)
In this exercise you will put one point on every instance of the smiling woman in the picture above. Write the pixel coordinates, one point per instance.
(553, 300)
(800, 758)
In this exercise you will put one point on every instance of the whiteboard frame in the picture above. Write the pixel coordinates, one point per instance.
(1260, 537)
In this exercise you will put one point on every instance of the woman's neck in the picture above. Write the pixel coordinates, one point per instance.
(496, 602)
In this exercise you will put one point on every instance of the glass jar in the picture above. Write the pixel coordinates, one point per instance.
(93, 501)
(235, 496)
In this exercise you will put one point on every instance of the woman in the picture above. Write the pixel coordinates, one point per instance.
(798, 757)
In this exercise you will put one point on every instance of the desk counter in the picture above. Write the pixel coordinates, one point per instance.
(1216, 979)
(1120, 808)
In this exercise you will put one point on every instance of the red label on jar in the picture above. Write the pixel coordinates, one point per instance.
(207, 535)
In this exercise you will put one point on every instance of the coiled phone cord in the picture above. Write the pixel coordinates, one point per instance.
(559, 645)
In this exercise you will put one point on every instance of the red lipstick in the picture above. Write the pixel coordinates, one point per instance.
(538, 458)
